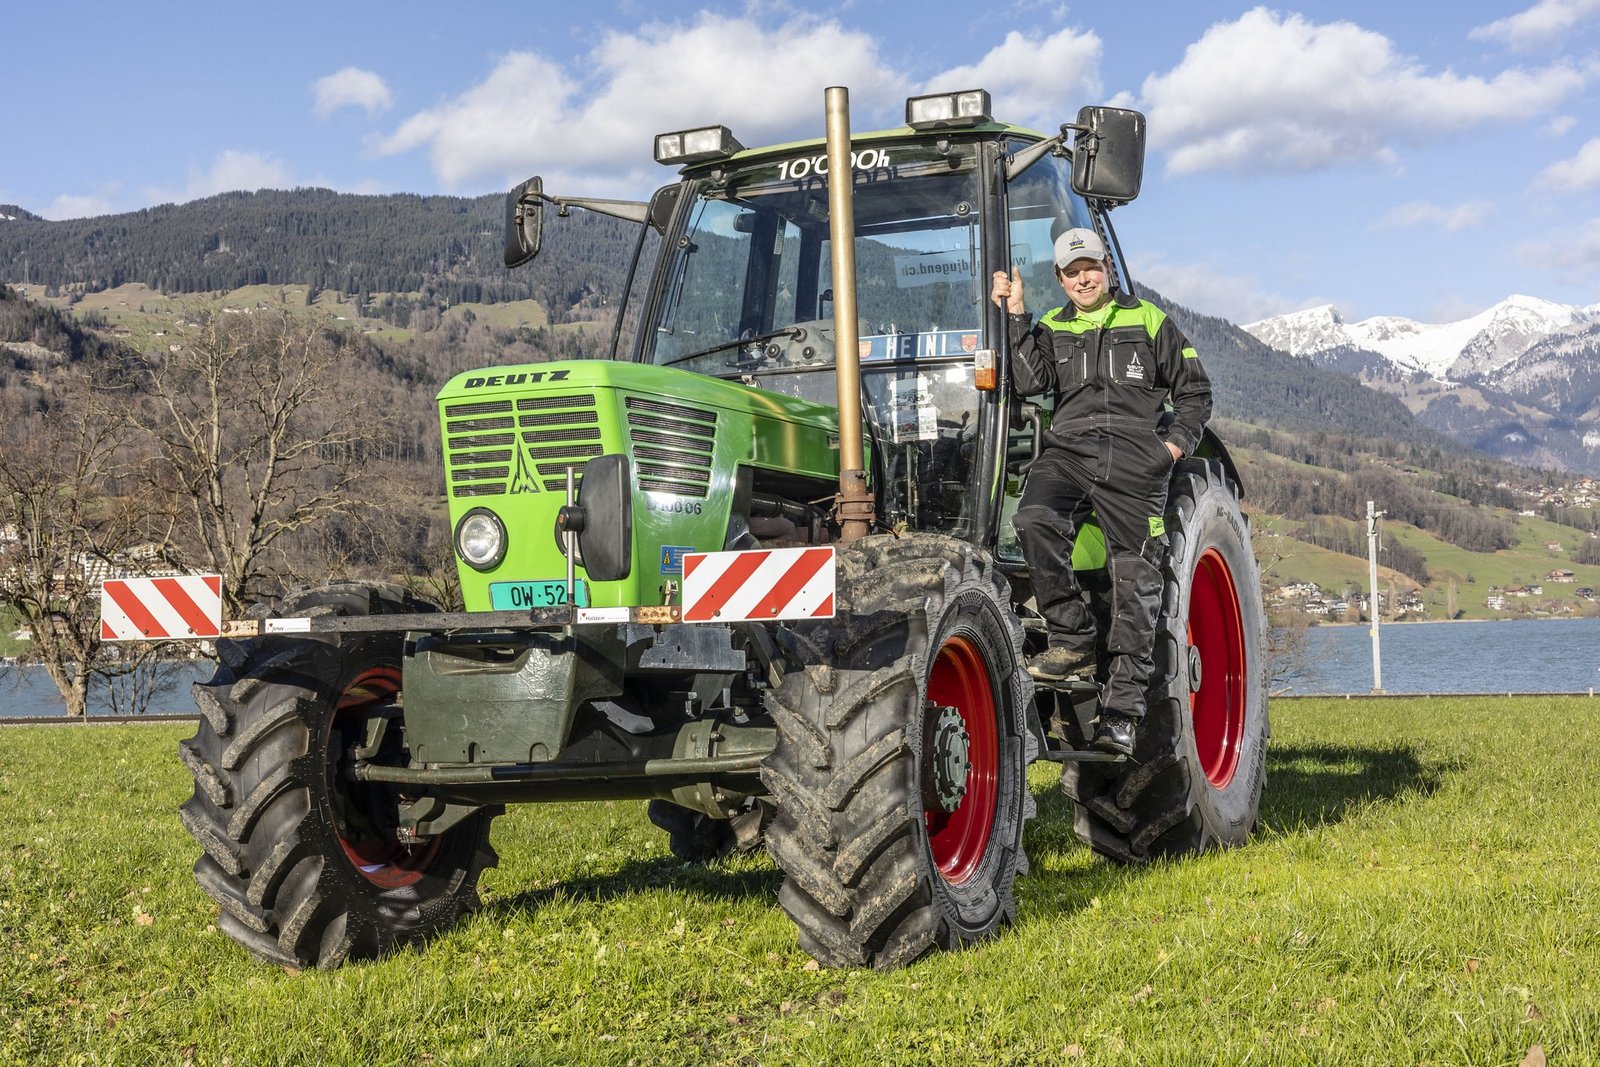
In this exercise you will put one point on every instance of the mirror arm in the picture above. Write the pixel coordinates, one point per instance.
(1026, 158)
(630, 210)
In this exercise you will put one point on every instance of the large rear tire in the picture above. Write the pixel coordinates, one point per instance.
(1199, 764)
(900, 769)
(305, 864)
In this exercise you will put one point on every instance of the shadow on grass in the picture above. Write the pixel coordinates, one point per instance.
(1315, 785)
(1307, 786)
(732, 880)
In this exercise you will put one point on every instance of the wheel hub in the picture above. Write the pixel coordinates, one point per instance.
(948, 759)
(1194, 669)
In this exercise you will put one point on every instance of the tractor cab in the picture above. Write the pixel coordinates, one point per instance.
(733, 280)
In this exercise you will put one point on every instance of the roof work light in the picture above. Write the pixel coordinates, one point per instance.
(696, 146)
(970, 107)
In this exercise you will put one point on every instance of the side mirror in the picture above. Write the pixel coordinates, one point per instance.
(524, 213)
(1108, 154)
(602, 518)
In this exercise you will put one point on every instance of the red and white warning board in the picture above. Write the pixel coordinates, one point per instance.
(779, 583)
(154, 609)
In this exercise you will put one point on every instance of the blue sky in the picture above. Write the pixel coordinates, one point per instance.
(1395, 158)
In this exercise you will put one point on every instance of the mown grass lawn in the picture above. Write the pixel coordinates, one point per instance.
(1425, 888)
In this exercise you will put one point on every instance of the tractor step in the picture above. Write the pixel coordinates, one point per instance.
(1076, 688)
(1080, 755)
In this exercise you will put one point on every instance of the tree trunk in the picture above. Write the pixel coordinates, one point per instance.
(76, 695)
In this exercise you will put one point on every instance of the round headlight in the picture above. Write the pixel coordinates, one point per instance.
(481, 539)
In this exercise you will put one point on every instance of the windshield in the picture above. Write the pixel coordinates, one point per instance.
(754, 262)
(748, 293)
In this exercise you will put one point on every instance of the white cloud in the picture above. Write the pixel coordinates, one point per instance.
(516, 114)
(231, 171)
(531, 113)
(1436, 216)
(1271, 91)
(721, 70)
(1543, 23)
(1573, 256)
(1033, 82)
(67, 206)
(1560, 125)
(1582, 171)
(1203, 288)
(350, 87)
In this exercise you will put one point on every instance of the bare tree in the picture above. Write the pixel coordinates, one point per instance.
(66, 519)
(1285, 648)
(261, 432)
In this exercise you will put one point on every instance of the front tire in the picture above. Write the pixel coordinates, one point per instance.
(305, 864)
(900, 769)
(1199, 763)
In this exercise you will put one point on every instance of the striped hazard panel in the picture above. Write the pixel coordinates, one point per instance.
(780, 583)
(154, 609)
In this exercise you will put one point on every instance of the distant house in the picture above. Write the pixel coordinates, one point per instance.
(1495, 602)
(1554, 546)
(1560, 575)
(1584, 591)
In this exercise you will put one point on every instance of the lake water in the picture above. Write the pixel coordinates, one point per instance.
(1540, 656)
(1544, 656)
(28, 691)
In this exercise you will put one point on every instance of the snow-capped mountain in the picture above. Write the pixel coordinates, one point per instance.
(1520, 380)
(1558, 373)
(1471, 348)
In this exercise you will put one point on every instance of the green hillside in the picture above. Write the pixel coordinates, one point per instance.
(1454, 566)
(419, 280)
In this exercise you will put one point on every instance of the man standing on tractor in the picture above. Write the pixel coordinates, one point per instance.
(1112, 362)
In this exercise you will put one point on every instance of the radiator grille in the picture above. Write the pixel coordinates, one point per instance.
(672, 446)
(538, 438)
(500, 446)
(479, 462)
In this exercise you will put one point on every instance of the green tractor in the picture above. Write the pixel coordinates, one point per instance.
(756, 569)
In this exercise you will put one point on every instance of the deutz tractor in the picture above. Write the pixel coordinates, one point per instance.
(756, 570)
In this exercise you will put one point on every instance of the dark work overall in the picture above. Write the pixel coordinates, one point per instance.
(1105, 452)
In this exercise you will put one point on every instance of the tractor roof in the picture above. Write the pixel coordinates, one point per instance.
(898, 133)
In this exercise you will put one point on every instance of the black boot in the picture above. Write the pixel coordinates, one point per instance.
(1114, 733)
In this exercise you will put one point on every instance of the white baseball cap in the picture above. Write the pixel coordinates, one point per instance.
(1079, 243)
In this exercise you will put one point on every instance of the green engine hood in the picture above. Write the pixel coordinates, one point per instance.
(511, 433)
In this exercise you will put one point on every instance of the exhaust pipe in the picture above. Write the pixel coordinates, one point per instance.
(854, 505)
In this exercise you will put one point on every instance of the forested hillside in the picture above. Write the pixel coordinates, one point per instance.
(401, 254)
(419, 285)
(428, 250)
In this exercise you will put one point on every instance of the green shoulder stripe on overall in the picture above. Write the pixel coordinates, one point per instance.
(1144, 313)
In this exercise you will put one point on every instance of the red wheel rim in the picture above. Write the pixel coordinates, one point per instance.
(383, 861)
(1216, 632)
(960, 838)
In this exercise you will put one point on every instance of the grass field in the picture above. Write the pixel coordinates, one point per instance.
(1424, 889)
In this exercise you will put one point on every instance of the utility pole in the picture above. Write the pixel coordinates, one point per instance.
(1372, 594)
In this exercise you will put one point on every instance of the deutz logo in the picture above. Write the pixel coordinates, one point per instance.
(523, 481)
(494, 381)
